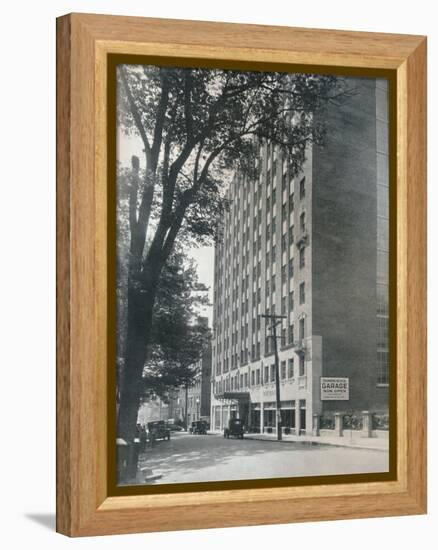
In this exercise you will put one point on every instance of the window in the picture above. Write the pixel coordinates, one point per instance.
(273, 284)
(283, 305)
(303, 222)
(283, 212)
(291, 300)
(283, 370)
(268, 287)
(382, 367)
(302, 258)
(273, 198)
(252, 378)
(291, 234)
(284, 182)
(266, 377)
(268, 261)
(382, 331)
(291, 334)
(268, 204)
(246, 380)
(302, 293)
(302, 329)
(283, 243)
(273, 226)
(382, 234)
(302, 371)
(291, 202)
(290, 368)
(291, 268)
(302, 188)
(283, 274)
(273, 254)
(272, 379)
(268, 232)
(258, 377)
(382, 299)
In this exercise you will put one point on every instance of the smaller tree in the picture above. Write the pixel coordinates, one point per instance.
(179, 338)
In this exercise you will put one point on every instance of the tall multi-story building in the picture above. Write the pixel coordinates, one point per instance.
(314, 249)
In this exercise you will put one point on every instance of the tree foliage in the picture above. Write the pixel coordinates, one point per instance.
(195, 123)
(177, 338)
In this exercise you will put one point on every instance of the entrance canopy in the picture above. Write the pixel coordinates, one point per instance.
(240, 397)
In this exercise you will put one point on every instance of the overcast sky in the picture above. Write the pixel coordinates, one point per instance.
(204, 256)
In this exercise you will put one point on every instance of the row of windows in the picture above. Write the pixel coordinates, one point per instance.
(270, 230)
(270, 287)
(382, 367)
(238, 382)
(256, 320)
(287, 337)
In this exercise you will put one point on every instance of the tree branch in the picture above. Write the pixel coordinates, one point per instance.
(133, 190)
(134, 111)
(159, 123)
(187, 104)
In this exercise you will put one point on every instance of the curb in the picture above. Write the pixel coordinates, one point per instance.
(319, 443)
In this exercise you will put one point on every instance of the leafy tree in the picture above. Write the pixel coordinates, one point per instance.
(195, 124)
(176, 342)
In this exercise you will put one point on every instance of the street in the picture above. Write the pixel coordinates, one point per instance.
(192, 458)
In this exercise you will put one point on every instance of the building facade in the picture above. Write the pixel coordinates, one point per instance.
(194, 400)
(307, 248)
(198, 395)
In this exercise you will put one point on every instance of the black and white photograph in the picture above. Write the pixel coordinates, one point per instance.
(252, 275)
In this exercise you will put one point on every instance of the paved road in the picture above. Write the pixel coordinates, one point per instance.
(190, 458)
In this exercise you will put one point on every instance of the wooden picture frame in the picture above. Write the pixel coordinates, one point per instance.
(84, 506)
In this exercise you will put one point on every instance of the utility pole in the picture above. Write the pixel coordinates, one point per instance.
(276, 320)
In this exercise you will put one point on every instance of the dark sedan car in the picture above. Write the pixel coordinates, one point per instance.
(158, 430)
(235, 428)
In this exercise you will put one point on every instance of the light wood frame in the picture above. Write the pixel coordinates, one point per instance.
(83, 504)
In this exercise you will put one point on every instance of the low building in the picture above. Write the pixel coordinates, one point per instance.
(198, 394)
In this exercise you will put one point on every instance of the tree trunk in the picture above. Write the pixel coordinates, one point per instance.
(187, 405)
(141, 299)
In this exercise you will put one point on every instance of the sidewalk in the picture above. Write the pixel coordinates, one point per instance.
(371, 443)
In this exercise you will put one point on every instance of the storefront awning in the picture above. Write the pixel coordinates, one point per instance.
(241, 397)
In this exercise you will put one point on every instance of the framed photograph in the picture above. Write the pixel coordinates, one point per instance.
(241, 243)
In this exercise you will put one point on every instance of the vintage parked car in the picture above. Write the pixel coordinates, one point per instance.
(158, 430)
(235, 428)
(198, 427)
(175, 427)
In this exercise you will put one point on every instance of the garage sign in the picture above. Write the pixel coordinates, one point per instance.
(335, 389)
